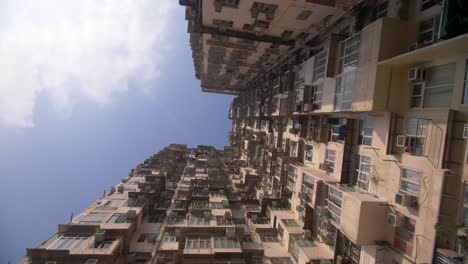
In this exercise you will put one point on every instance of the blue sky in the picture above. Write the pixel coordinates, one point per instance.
(59, 155)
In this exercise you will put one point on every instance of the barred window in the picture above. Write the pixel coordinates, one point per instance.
(224, 242)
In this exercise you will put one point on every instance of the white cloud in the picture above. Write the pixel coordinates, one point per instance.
(76, 50)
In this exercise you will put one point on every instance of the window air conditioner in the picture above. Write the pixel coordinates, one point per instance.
(394, 219)
(415, 74)
(400, 141)
(131, 214)
(406, 200)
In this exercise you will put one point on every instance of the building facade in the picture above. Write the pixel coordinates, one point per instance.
(353, 114)
(348, 144)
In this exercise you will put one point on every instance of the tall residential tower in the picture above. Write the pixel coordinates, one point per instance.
(348, 144)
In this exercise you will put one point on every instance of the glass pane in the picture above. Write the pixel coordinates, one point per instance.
(411, 175)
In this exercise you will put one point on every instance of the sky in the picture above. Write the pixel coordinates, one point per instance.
(88, 90)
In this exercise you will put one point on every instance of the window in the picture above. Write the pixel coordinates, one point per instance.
(156, 219)
(366, 127)
(168, 238)
(215, 205)
(194, 242)
(220, 220)
(439, 81)
(224, 242)
(349, 51)
(238, 221)
(426, 4)
(113, 203)
(338, 133)
(301, 72)
(281, 260)
(330, 158)
(465, 205)
(219, 4)
(417, 94)
(144, 236)
(118, 219)
(94, 218)
(293, 149)
(290, 223)
(363, 170)
(308, 180)
(320, 64)
(381, 10)
(135, 203)
(415, 136)
(222, 23)
(267, 9)
(265, 237)
(344, 91)
(299, 96)
(410, 181)
(103, 244)
(429, 31)
(292, 172)
(465, 85)
(67, 242)
(309, 154)
(304, 15)
(193, 220)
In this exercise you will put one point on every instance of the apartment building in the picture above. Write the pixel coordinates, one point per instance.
(353, 117)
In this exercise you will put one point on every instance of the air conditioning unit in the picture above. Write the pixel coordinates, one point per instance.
(406, 200)
(306, 107)
(415, 74)
(394, 219)
(299, 208)
(400, 141)
(91, 261)
(306, 234)
(99, 235)
(230, 232)
(131, 214)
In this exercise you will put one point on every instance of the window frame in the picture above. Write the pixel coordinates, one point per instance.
(67, 240)
(402, 179)
(363, 176)
(363, 126)
(344, 87)
(118, 218)
(330, 162)
(309, 152)
(320, 65)
(382, 12)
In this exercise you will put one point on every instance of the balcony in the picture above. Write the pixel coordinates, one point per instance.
(360, 216)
